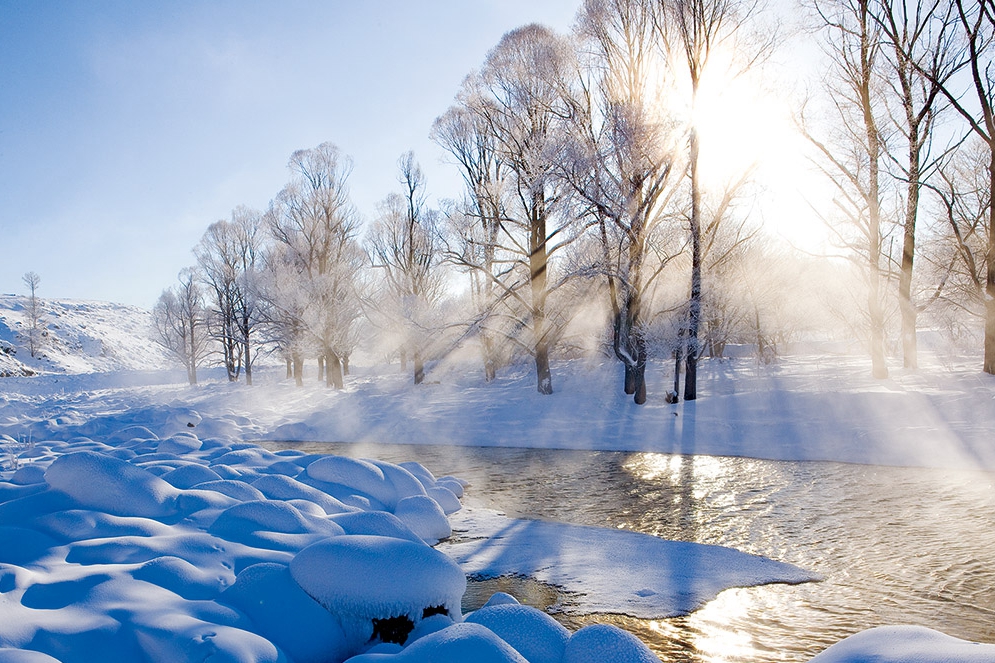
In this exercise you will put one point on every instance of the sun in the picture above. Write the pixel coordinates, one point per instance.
(746, 132)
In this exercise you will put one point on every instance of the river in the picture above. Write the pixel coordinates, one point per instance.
(894, 545)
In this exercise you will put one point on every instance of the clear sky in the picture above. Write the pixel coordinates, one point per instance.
(127, 127)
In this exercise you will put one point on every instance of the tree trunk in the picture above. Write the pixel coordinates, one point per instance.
(290, 368)
(544, 379)
(298, 370)
(910, 351)
(345, 364)
(490, 363)
(333, 370)
(629, 384)
(639, 396)
(879, 368)
(989, 366)
(419, 367)
(910, 357)
(694, 306)
(246, 362)
(321, 368)
(538, 264)
(675, 395)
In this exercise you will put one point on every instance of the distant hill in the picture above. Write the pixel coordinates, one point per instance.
(78, 337)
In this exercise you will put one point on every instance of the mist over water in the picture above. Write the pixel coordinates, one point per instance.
(894, 545)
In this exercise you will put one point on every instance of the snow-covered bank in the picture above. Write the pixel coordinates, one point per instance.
(763, 411)
(803, 408)
(140, 548)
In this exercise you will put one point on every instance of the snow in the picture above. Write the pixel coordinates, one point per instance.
(103, 556)
(139, 522)
(532, 633)
(649, 577)
(79, 337)
(906, 644)
(104, 483)
(362, 579)
(603, 642)
(110, 548)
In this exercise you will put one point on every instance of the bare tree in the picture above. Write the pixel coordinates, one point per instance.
(519, 103)
(971, 24)
(35, 315)
(179, 323)
(229, 255)
(286, 302)
(919, 52)
(473, 224)
(622, 164)
(403, 244)
(694, 32)
(958, 252)
(853, 161)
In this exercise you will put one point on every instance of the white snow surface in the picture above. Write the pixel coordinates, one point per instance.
(138, 524)
(616, 571)
(804, 408)
(905, 644)
(78, 337)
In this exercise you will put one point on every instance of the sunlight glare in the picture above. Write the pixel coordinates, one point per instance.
(714, 637)
(744, 123)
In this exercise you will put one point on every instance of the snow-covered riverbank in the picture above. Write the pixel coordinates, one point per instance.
(139, 513)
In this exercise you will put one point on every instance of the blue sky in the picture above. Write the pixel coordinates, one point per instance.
(126, 128)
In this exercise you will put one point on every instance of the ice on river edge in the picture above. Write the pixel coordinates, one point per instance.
(139, 548)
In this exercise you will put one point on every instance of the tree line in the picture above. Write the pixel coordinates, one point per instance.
(585, 220)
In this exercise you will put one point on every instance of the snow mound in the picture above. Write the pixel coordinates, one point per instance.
(281, 611)
(459, 642)
(104, 483)
(603, 642)
(906, 644)
(425, 517)
(534, 634)
(375, 583)
(103, 559)
(359, 475)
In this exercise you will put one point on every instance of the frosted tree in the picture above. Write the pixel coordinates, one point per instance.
(179, 323)
(957, 253)
(315, 226)
(623, 166)
(970, 90)
(229, 256)
(696, 33)
(34, 313)
(919, 61)
(403, 247)
(473, 224)
(518, 101)
(280, 288)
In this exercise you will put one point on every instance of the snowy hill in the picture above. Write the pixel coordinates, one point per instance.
(78, 337)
